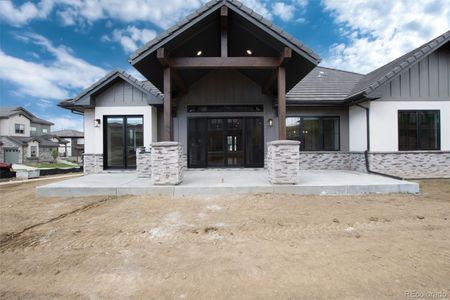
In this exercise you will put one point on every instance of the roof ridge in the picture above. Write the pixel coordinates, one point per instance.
(345, 71)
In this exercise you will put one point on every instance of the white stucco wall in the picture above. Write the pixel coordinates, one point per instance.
(357, 128)
(384, 122)
(93, 136)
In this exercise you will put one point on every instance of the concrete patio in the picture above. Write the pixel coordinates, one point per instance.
(228, 181)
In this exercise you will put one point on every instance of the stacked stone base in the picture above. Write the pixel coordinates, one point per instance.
(414, 164)
(354, 161)
(92, 163)
(144, 162)
(167, 163)
(283, 162)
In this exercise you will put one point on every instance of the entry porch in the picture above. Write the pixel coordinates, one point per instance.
(216, 182)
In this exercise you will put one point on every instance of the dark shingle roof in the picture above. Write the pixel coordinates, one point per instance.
(387, 72)
(6, 112)
(323, 84)
(68, 133)
(237, 6)
(147, 88)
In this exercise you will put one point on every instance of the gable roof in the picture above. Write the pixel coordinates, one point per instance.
(236, 6)
(44, 141)
(109, 78)
(323, 86)
(6, 112)
(384, 74)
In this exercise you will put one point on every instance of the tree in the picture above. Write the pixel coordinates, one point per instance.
(55, 154)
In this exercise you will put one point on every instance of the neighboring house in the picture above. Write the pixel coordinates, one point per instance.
(25, 138)
(225, 100)
(75, 142)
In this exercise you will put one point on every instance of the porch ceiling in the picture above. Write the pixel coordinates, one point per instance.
(202, 32)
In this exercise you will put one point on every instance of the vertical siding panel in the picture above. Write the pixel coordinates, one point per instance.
(423, 68)
(128, 93)
(443, 73)
(434, 75)
(415, 81)
(404, 84)
(396, 87)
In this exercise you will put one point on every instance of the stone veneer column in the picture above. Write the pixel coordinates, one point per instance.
(283, 161)
(143, 162)
(92, 163)
(167, 163)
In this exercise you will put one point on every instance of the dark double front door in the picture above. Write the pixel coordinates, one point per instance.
(121, 137)
(226, 142)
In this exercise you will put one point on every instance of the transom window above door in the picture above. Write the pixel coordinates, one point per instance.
(314, 133)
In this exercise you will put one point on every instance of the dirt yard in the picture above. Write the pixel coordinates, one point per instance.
(257, 247)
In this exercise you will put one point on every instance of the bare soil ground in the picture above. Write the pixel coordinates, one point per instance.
(254, 246)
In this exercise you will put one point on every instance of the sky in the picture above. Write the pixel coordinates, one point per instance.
(50, 50)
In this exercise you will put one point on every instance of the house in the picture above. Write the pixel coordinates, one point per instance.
(224, 82)
(24, 137)
(75, 143)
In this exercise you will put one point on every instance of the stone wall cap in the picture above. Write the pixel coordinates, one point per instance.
(284, 142)
(165, 144)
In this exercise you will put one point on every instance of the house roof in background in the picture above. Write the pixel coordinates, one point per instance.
(44, 141)
(386, 73)
(68, 133)
(235, 5)
(323, 86)
(6, 112)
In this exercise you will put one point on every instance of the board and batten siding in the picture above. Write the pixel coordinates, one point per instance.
(429, 79)
(122, 93)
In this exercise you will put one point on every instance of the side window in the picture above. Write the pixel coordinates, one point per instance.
(419, 130)
(20, 128)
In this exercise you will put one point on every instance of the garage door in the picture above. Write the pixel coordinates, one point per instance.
(11, 156)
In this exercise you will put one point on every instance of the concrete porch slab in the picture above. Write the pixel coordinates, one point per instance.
(229, 181)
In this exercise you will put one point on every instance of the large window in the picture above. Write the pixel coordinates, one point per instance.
(20, 128)
(314, 133)
(419, 130)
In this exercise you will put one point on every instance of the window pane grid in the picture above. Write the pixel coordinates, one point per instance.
(419, 130)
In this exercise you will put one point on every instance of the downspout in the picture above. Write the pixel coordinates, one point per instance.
(366, 153)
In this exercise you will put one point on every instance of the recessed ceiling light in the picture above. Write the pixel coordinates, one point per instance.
(249, 52)
(199, 52)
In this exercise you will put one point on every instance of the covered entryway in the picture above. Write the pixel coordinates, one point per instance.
(11, 155)
(226, 142)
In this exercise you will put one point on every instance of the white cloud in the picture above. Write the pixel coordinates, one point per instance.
(53, 80)
(26, 12)
(284, 11)
(72, 12)
(380, 31)
(69, 122)
(131, 38)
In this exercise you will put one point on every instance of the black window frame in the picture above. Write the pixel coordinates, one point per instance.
(19, 128)
(321, 118)
(419, 146)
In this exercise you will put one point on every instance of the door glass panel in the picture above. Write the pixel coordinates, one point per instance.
(235, 146)
(197, 142)
(311, 133)
(293, 128)
(330, 134)
(254, 147)
(114, 142)
(216, 153)
(135, 139)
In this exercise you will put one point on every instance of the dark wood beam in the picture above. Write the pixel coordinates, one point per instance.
(285, 55)
(224, 62)
(163, 59)
(167, 105)
(224, 17)
(224, 31)
(281, 103)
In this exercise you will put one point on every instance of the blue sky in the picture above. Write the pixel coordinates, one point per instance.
(52, 49)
